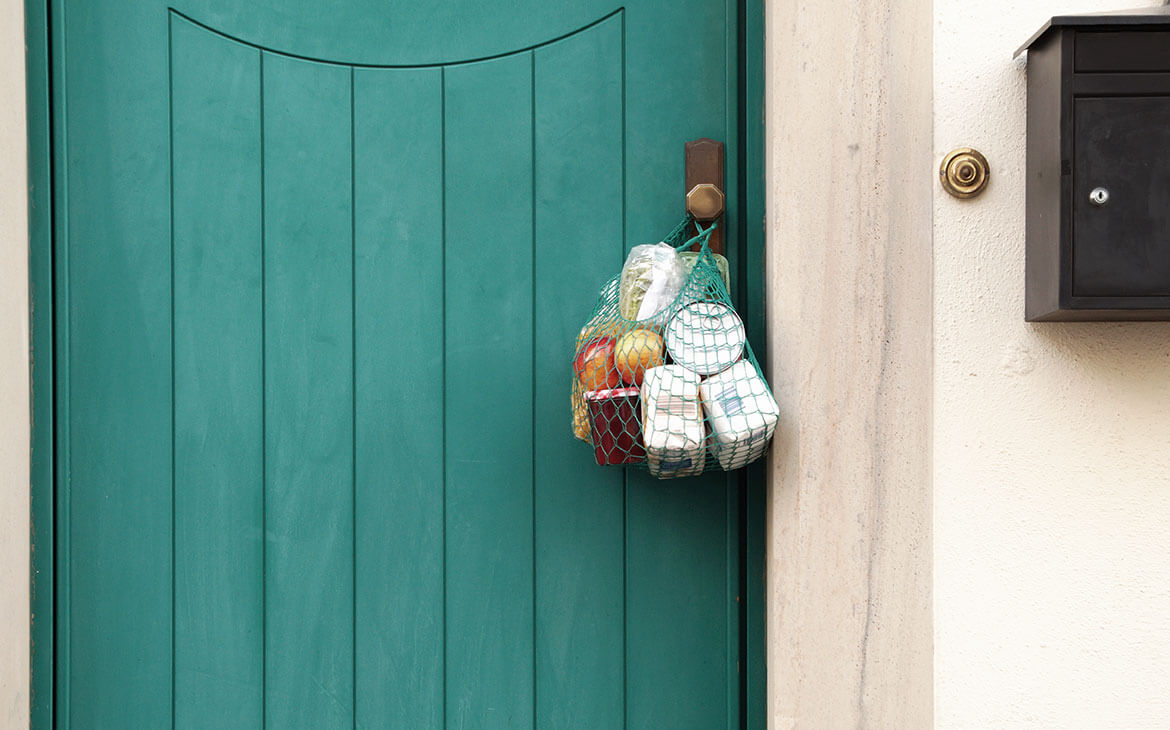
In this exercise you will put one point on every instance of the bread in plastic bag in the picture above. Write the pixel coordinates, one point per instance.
(652, 278)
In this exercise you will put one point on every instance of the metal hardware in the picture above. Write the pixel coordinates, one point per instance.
(704, 185)
(964, 172)
(705, 202)
(1099, 197)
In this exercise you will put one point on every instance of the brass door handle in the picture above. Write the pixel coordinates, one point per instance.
(705, 202)
(704, 185)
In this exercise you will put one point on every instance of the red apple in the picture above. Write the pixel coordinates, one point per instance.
(594, 365)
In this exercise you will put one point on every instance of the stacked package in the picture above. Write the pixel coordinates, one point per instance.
(742, 413)
(672, 422)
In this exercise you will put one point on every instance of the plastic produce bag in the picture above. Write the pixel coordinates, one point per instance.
(651, 279)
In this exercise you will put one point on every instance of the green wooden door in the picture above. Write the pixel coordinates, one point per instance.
(319, 270)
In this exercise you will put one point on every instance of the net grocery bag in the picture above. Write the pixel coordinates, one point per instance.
(663, 375)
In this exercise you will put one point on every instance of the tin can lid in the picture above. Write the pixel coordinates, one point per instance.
(706, 337)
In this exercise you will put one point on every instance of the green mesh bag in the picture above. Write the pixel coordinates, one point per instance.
(663, 376)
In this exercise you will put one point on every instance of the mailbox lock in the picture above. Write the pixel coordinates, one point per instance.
(1099, 197)
(964, 172)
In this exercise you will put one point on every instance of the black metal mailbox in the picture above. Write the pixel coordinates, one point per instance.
(1098, 167)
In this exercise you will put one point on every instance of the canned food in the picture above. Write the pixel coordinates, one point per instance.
(706, 337)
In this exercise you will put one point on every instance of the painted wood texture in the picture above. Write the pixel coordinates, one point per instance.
(315, 417)
(399, 361)
(579, 511)
(218, 391)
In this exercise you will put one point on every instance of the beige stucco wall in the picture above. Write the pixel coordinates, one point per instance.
(14, 405)
(1051, 441)
(1018, 478)
(849, 276)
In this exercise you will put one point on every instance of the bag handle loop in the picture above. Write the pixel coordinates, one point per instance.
(680, 232)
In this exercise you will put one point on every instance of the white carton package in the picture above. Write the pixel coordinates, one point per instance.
(672, 422)
(742, 412)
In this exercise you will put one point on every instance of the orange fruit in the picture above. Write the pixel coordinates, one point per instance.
(636, 352)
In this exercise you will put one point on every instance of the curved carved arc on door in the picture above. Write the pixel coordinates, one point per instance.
(448, 33)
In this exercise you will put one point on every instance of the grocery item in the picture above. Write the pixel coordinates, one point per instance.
(672, 422)
(690, 257)
(614, 426)
(636, 351)
(706, 337)
(594, 365)
(651, 279)
(742, 414)
(658, 328)
(580, 411)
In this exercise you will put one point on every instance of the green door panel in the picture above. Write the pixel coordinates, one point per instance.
(398, 294)
(319, 275)
(114, 379)
(219, 389)
(488, 307)
(308, 393)
(579, 509)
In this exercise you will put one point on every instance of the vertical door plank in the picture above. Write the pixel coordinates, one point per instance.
(679, 574)
(682, 560)
(579, 509)
(399, 418)
(113, 144)
(308, 224)
(489, 306)
(218, 380)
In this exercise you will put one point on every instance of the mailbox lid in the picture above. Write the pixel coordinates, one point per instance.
(1122, 247)
(1111, 20)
